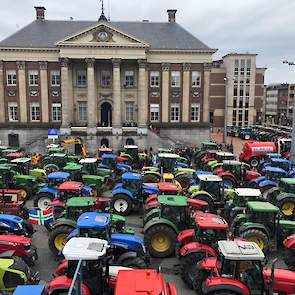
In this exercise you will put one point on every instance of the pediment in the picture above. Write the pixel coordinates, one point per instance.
(100, 35)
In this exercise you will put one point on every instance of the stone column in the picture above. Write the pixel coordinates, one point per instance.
(206, 97)
(44, 91)
(21, 65)
(91, 97)
(142, 100)
(165, 91)
(117, 116)
(2, 105)
(186, 92)
(65, 99)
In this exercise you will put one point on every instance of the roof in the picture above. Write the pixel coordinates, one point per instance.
(93, 220)
(84, 248)
(21, 160)
(80, 201)
(168, 155)
(131, 176)
(274, 155)
(15, 155)
(204, 177)
(12, 218)
(240, 250)
(266, 207)
(274, 169)
(231, 162)
(210, 221)
(248, 192)
(173, 200)
(88, 161)
(280, 160)
(58, 175)
(31, 289)
(71, 186)
(140, 282)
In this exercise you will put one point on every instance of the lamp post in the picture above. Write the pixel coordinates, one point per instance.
(292, 156)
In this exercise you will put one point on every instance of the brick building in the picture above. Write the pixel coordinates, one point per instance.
(112, 81)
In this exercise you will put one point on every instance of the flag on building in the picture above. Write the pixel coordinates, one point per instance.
(40, 216)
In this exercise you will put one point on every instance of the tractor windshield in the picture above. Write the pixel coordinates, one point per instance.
(214, 188)
(98, 233)
(210, 236)
(132, 185)
(265, 218)
(109, 162)
(168, 164)
(74, 212)
(175, 214)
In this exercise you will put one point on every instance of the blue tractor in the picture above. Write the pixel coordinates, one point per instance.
(270, 178)
(266, 162)
(246, 133)
(126, 249)
(130, 194)
(109, 161)
(284, 164)
(11, 224)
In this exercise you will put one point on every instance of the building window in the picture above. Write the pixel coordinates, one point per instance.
(174, 112)
(196, 79)
(247, 102)
(241, 103)
(175, 79)
(56, 112)
(236, 67)
(248, 67)
(234, 117)
(242, 88)
(81, 78)
(129, 111)
(82, 111)
(242, 69)
(234, 102)
(129, 78)
(55, 78)
(155, 79)
(155, 112)
(105, 78)
(35, 111)
(195, 112)
(235, 90)
(33, 78)
(247, 91)
(240, 117)
(11, 77)
(12, 111)
(246, 117)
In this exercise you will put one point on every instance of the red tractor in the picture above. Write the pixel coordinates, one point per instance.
(289, 255)
(193, 245)
(236, 174)
(139, 282)
(238, 270)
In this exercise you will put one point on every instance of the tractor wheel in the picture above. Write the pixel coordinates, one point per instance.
(135, 263)
(160, 240)
(258, 237)
(58, 238)
(229, 182)
(24, 213)
(121, 204)
(289, 258)
(49, 168)
(43, 200)
(189, 268)
(184, 181)
(206, 199)
(150, 178)
(287, 207)
(254, 162)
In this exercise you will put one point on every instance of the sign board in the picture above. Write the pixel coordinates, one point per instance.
(53, 133)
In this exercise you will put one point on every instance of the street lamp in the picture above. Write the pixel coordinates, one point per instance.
(293, 119)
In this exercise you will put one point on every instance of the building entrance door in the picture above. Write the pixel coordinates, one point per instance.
(106, 115)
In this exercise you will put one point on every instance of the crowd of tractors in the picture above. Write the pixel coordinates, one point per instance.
(221, 216)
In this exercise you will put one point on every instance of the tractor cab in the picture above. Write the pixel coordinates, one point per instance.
(213, 185)
(109, 161)
(132, 151)
(76, 206)
(89, 165)
(168, 162)
(22, 165)
(11, 224)
(244, 195)
(103, 150)
(58, 159)
(236, 167)
(70, 189)
(209, 145)
(132, 182)
(54, 179)
(75, 170)
(222, 156)
(210, 228)
(282, 163)
(284, 146)
(287, 185)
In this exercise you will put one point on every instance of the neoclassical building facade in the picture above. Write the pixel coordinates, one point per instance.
(105, 81)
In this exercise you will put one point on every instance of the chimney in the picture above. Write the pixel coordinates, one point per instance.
(40, 12)
(171, 15)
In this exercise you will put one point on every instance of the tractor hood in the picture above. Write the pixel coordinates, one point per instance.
(130, 242)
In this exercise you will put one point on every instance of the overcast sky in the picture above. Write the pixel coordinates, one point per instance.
(266, 27)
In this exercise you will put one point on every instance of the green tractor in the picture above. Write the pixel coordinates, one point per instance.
(205, 146)
(75, 171)
(283, 196)
(261, 224)
(96, 182)
(63, 226)
(164, 223)
(57, 161)
(218, 161)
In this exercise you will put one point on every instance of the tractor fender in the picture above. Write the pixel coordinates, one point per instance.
(186, 236)
(152, 172)
(213, 285)
(236, 222)
(282, 196)
(155, 212)
(259, 179)
(289, 242)
(156, 221)
(117, 186)
(64, 221)
(267, 182)
(73, 234)
(48, 190)
(122, 191)
(126, 255)
(126, 241)
(199, 193)
(150, 190)
(63, 283)
(251, 225)
(56, 203)
(196, 247)
(122, 166)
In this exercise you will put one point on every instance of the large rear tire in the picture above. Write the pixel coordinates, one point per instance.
(58, 238)
(189, 267)
(121, 204)
(43, 200)
(287, 207)
(258, 237)
(160, 240)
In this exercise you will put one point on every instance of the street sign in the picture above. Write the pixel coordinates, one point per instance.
(53, 133)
